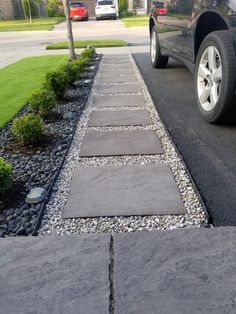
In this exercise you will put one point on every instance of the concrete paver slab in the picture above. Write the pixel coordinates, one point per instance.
(179, 272)
(115, 66)
(118, 88)
(112, 72)
(116, 57)
(118, 79)
(108, 62)
(119, 101)
(128, 190)
(55, 274)
(115, 143)
(119, 118)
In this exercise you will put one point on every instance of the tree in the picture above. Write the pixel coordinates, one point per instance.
(30, 9)
(69, 30)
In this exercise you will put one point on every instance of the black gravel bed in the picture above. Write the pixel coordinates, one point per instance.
(39, 166)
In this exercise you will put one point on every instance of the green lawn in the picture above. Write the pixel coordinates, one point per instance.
(84, 43)
(19, 80)
(134, 21)
(24, 25)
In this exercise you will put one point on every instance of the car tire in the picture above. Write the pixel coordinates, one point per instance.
(157, 60)
(215, 79)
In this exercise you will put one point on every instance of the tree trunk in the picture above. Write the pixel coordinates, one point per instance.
(69, 30)
(30, 17)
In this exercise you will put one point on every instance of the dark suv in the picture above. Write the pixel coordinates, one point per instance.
(202, 35)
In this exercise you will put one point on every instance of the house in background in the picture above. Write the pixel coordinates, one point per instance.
(13, 9)
(143, 7)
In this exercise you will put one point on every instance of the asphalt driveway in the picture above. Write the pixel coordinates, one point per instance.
(209, 151)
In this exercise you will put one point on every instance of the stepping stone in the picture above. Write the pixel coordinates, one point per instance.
(119, 118)
(118, 66)
(175, 272)
(55, 274)
(118, 79)
(116, 56)
(119, 101)
(112, 72)
(116, 143)
(123, 191)
(110, 63)
(118, 89)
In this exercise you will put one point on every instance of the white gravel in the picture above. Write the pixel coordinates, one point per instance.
(52, 222)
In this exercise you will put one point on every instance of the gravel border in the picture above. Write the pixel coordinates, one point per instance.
(195, 216)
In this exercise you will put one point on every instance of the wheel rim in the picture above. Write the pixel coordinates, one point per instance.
(153, 47)
(209, 78)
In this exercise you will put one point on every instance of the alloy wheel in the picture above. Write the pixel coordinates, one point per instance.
(209, 78)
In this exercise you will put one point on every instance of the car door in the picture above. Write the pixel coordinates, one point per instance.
(174, 30)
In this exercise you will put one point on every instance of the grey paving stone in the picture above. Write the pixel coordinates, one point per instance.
(115, 143)
(179, 272)
(112, 72)
(119, 101)
(118, 88)
(116, 63)
(125, 191)
(118, 79)
(119, 66)
(55, 274)
(116, 56)
(119, 118)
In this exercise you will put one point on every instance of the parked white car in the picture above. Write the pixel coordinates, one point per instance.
(105, 9)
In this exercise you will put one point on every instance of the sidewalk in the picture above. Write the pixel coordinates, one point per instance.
(9, 57)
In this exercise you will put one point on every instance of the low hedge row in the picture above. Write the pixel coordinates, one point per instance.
(28, 129)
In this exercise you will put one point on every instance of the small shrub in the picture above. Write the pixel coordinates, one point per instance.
(88, 52)
(42, 102)
(6, 173)
(72, 71)
(28, 129)
(81, 63)
(58, 81)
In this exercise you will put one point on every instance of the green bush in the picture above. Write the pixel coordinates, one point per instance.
(55, 8)
(42, 102)
(171, 8)
(28, 129)
(58, 81)
(81, 63)
(72, 71)
(123, 8)
(88, 52)
(6, 173)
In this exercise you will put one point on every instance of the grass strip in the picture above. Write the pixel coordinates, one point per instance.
(135, 21)
(24, 25)
(84, 43)
(19, 80)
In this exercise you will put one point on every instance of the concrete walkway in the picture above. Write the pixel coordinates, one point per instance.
(167, 272)
(126, 190)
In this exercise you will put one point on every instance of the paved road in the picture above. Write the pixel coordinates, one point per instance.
(208, 150)
(17, 45)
